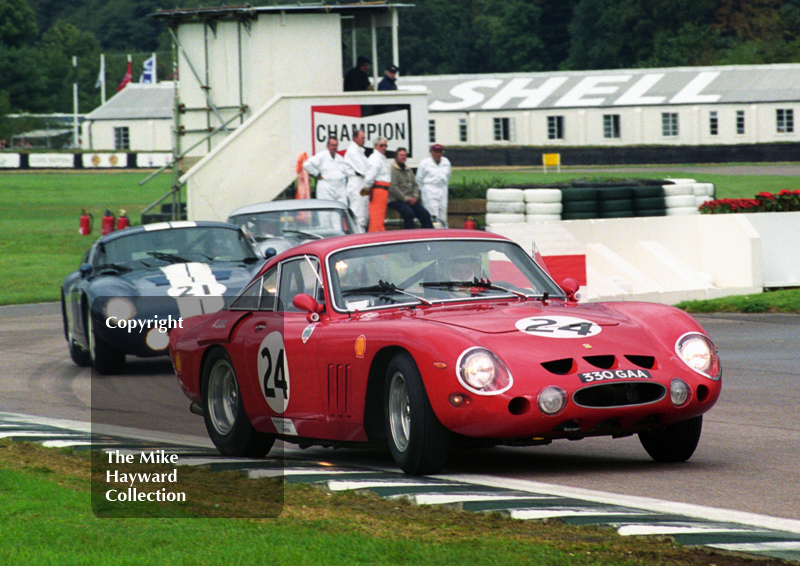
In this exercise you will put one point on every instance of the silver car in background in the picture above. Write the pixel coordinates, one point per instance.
(283, 224)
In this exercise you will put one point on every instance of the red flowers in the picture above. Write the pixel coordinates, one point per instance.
(784, 201)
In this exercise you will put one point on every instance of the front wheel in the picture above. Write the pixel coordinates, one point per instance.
(78, 355)
(675, 443)
(106, 358)
(223, 410)
(419, 443)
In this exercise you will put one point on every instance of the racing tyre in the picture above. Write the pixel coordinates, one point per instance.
(675, 443)
(79, 356)
(223, 411)
(419, 443)
(106, 358)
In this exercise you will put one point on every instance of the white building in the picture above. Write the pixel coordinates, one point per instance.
(677, 106)
(139, 118)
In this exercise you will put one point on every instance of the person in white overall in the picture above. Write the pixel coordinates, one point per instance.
(356, 162)
(433, 176)
(329, 169)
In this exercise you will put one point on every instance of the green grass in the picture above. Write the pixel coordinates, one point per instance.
(40, 244)
(39, 240)
(783, 301)
(46, 519)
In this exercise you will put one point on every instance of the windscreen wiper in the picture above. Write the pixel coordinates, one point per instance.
(479, 283)
(385, 289)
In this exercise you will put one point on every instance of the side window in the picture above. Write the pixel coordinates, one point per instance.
(299, 275)
(269, 289)
(260, 295)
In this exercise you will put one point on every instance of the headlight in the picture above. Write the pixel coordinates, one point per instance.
(120, 308)
(699, 353)
(551, 400)
(678, 392)
(481, 372)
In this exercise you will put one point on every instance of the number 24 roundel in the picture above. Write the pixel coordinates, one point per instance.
(558, 327)
(273, 372)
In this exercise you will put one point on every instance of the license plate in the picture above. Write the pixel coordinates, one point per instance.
(611, 374)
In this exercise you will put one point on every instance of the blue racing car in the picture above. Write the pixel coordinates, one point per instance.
(135, 284)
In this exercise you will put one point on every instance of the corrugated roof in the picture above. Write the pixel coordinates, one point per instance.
(610, 88)
(138, 102)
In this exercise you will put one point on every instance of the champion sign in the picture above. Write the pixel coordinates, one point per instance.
(390, 121)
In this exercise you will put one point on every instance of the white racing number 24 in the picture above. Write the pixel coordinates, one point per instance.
(558, 327)
(273, 371)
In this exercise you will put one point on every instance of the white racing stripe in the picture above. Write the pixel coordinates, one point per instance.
(195, 288)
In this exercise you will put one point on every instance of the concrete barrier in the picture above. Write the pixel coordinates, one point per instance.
(661, 259)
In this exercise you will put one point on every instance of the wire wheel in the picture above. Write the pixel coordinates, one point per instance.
(399, 412)
(223, 396)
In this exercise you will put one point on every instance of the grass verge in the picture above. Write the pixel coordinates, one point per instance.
(47, 520)
(779, 301)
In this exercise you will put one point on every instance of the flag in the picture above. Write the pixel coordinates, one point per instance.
(127, 78)
(149, 74)
(101, 76)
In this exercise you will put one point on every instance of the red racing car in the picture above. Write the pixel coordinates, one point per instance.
(426, 339)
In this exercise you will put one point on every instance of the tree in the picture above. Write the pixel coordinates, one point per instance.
(60, 44)
(17, 23)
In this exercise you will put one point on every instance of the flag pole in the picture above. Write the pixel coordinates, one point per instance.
(75, 137)
(155, 75)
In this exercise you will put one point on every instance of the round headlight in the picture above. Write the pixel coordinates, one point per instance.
(552, 400)
(678, 392)
(481, 372)
(157, 339)
(699, 353)
(120, 308)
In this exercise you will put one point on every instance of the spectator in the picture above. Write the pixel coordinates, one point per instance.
(357, 78)
(377, 183)
(356, 162)
(433, 176)
(389, 80)
(404, 193)
(329, 169)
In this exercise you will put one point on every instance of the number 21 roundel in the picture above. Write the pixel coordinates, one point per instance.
(558, 327)
(273, 372)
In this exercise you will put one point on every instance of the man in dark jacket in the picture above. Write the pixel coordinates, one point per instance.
(389, 80)
(357, 78)
(404, 193)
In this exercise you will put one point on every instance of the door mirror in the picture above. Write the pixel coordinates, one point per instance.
(85, 269)
(307, 303)
(571, 287)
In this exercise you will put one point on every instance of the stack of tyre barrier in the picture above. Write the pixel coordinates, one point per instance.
(580, 200)
(684, 196)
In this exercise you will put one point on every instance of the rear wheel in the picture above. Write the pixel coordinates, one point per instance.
(223, 410)
(106, 358)
(78, 355)
(419, 443)
(675, 443)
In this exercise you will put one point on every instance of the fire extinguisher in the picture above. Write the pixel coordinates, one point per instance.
(85, 224)
(469, 224)
(107, 225)
(123, 221)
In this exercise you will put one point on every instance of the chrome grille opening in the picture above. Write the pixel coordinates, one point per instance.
(619, 394)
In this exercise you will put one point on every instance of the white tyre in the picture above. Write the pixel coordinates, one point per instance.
(504, 218)
(682, 211)
(676, 190)
(698, 201)
(542, 195)
(703, 189)
(680, 181)
(677, 201)
(544, 208)
(505, 207)
(542, 217)
(505, 195)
